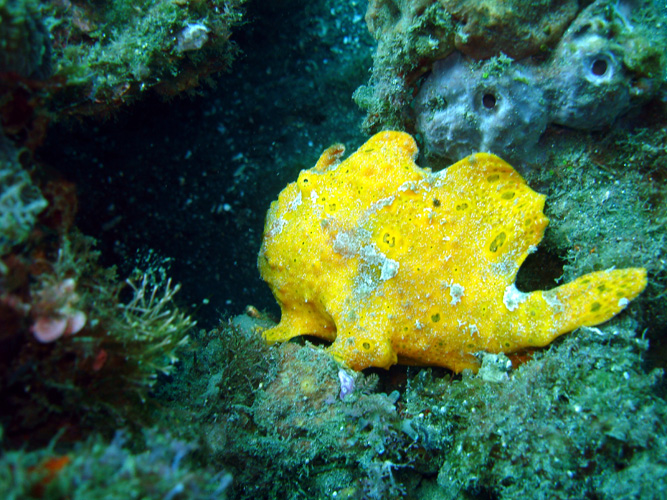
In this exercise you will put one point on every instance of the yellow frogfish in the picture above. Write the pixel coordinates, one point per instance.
(395, 264)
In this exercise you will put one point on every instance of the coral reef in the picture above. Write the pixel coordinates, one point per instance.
(99, 56)
(588, 68)
(409, 33)
(481, 29)
(351, 248)
(268, 413)
(607, 200)
(504, 106)
(516, 28)
(464, 107)
(88, 346)
(169, 47)
(573, 423)
(88, 362)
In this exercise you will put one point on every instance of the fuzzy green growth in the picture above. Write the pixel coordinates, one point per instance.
(586, 400)
(401, 52)
(110, 53)
(575, 422)
(615, 192)
(152, 328)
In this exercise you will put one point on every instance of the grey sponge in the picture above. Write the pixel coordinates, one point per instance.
(466, 106)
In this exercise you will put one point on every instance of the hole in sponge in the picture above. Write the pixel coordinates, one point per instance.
(489, 101)
(599, 67)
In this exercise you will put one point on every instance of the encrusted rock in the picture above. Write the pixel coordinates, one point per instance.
(517, 28)
(601, 68)
(464, 107)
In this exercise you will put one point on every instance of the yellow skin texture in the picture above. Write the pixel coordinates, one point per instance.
(395, 264)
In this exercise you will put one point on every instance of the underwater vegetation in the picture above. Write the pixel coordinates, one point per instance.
(20, 200)
(579, 419)
(78, 346)
(110, 54)
(80, 351)
(61, 58)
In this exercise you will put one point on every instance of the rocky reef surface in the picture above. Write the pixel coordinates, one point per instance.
(601, 68)
(478, 69)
